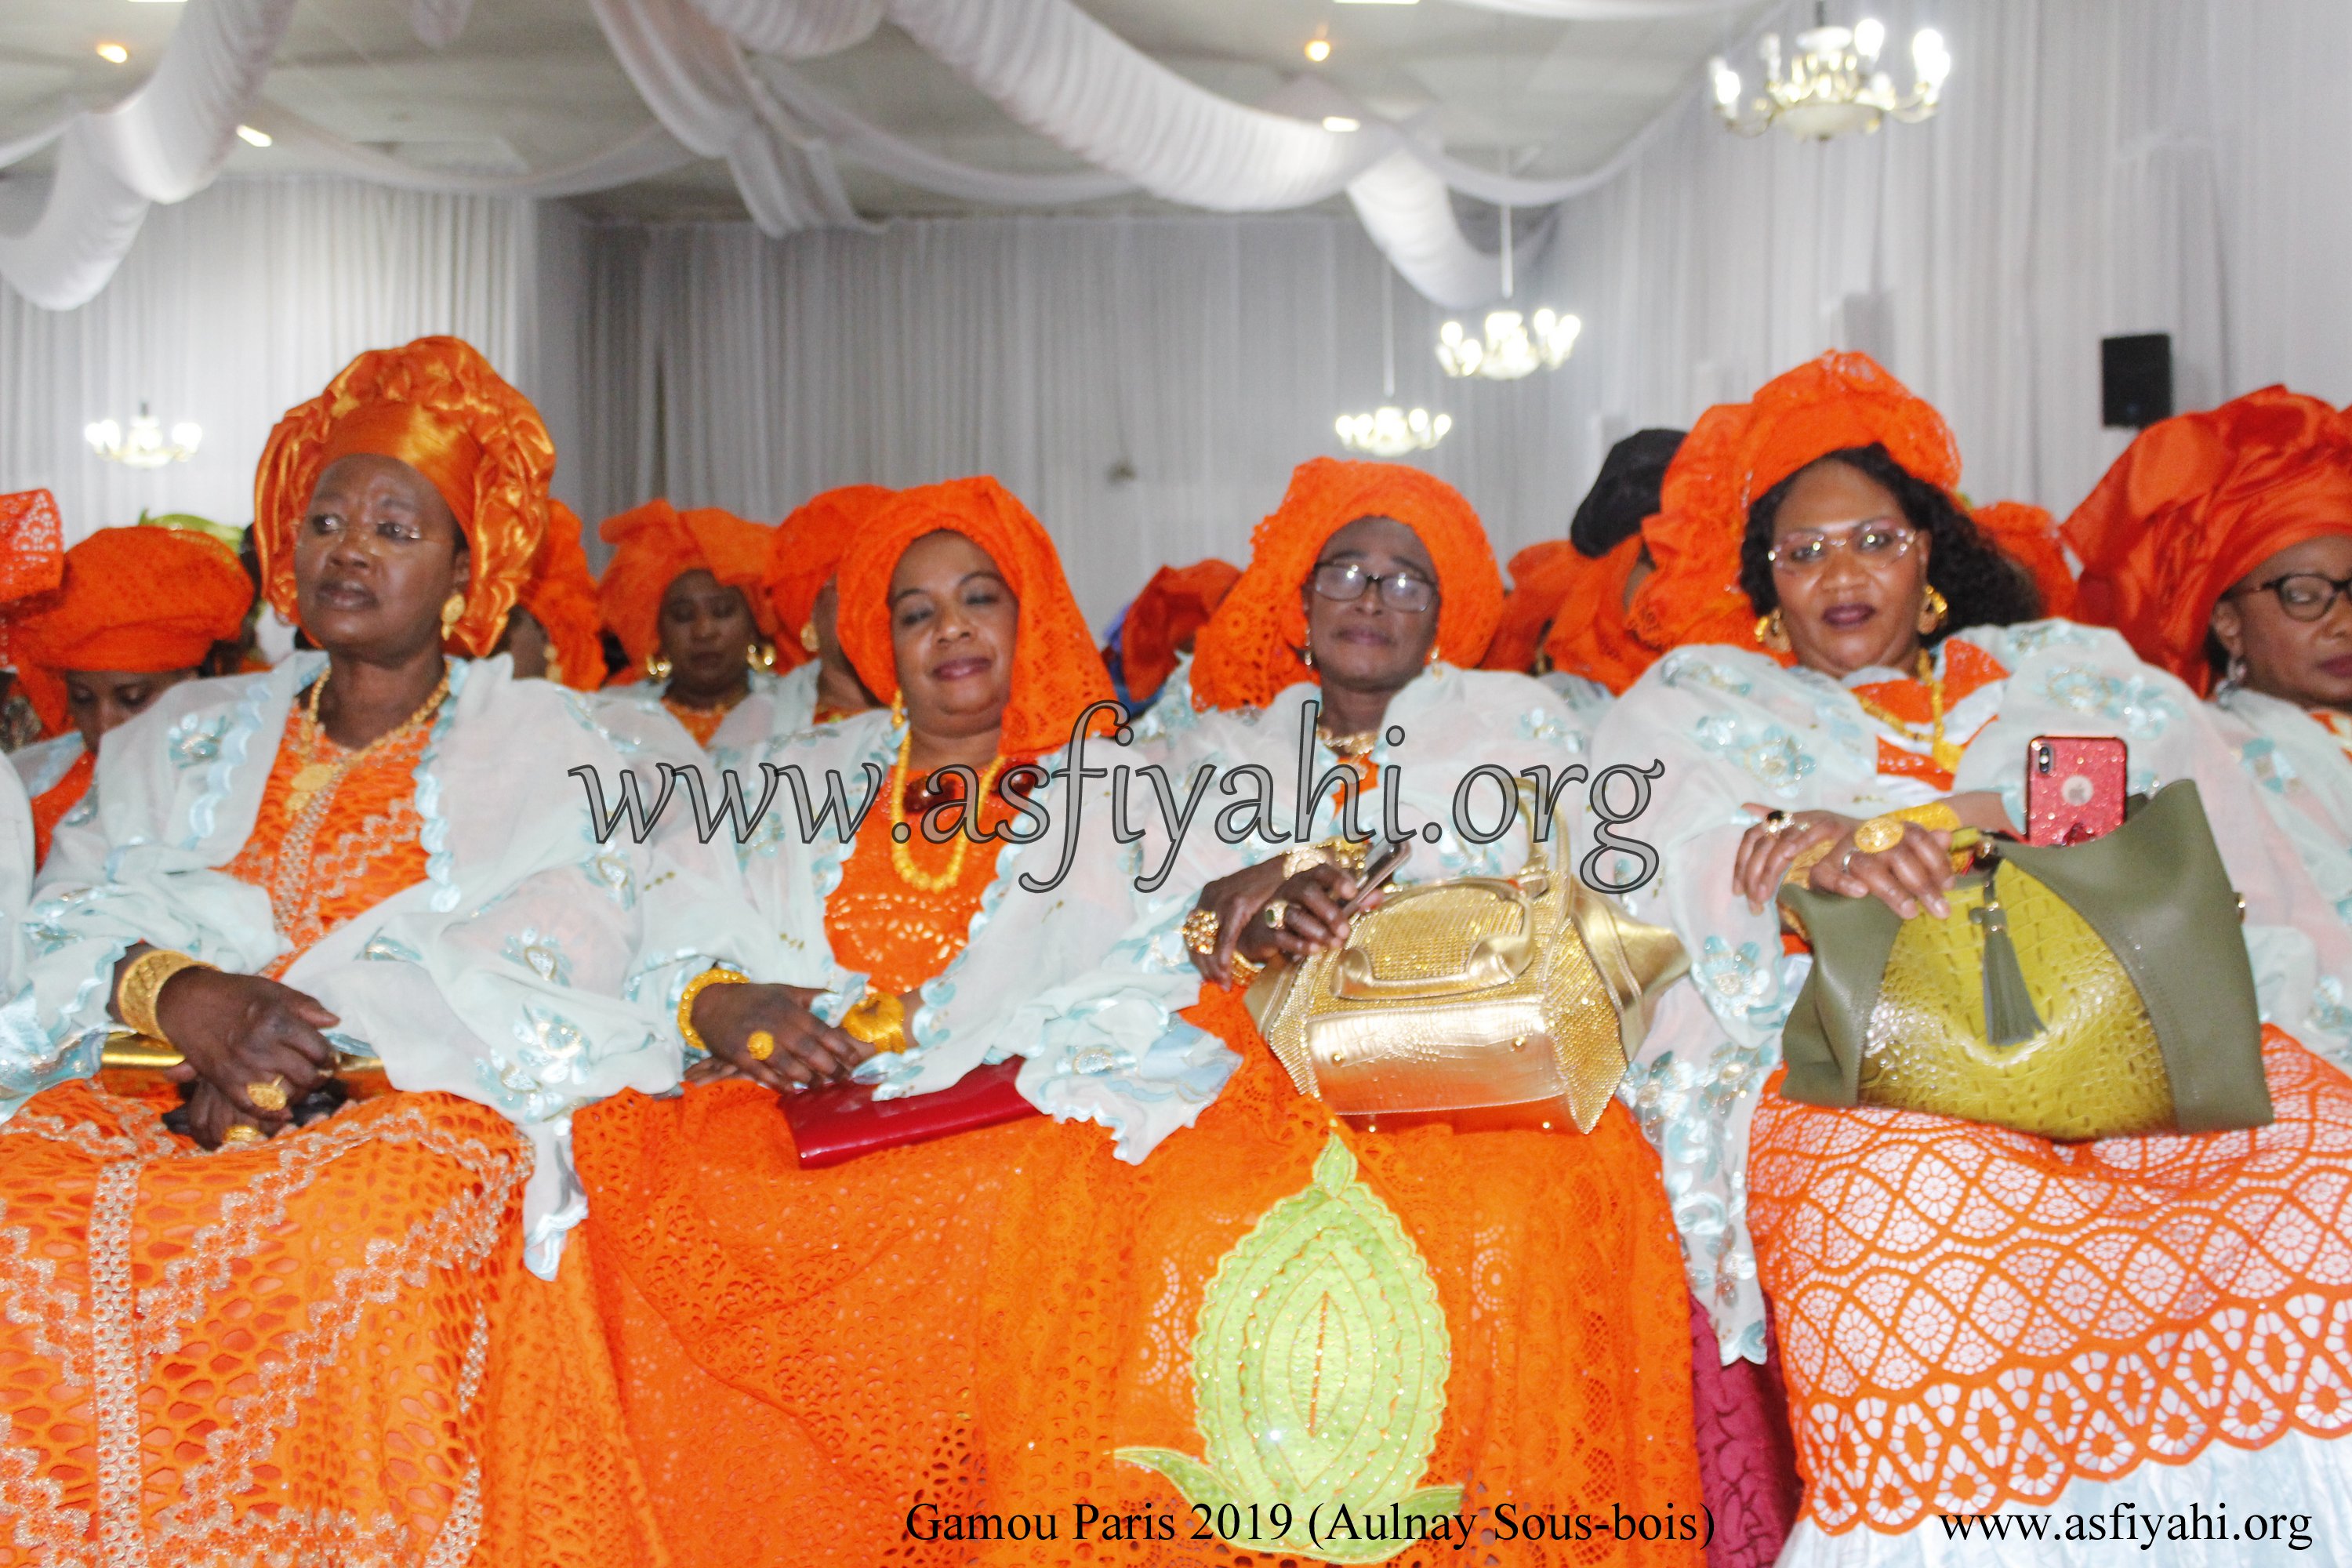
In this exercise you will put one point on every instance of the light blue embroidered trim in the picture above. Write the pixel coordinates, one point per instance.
(227, 750)
(440, 866)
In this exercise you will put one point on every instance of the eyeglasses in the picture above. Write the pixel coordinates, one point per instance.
(2304, 596)
(1799, 553)
(393, 531)
(1344, 582)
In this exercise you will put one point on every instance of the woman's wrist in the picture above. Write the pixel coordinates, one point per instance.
(139, 989)
(693, 1012)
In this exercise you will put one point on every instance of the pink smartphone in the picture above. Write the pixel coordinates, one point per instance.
(2074, 787)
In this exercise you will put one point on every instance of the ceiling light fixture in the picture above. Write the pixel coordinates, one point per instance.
(1389, 431)
(252, 138)
(1833, 85)
(142, 445)
(1514, 346)
(114, 54)
(1318, 47)
(1339, 123)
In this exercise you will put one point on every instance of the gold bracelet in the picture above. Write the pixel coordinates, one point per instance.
(1884, 831)
(878, 1019)
(142, 984)
(714, 975)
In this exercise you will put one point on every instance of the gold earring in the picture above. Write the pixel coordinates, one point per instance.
(1433, 655)
(899, 710)
(452, 610)
(808, 636)
(1933, 612)
(658, 666)
(1306, 656)
(1773, 631)
(760, 656)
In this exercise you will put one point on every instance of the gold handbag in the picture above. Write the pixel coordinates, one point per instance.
(135, 1065)
(1480, 1001)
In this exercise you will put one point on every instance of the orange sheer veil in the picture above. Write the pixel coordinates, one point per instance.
(1056, 670)
(438, 406)
(2198, 501)
(1249, 650)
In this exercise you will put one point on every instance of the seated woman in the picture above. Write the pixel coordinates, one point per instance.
(140, 610)
(893, 1342)
(803, 555)
(682, 592)
(553, 632)
(283, 1334)
(2221, 545)
(1972, 1318)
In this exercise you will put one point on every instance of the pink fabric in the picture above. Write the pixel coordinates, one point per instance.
(1747, 1463)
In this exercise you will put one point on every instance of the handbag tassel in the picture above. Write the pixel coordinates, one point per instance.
(2009, 1016)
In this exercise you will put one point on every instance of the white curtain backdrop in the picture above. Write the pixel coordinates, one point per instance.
(2100, 167)
(238, 303)
(1144, 384)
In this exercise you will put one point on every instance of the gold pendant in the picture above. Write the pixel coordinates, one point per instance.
(308, 780)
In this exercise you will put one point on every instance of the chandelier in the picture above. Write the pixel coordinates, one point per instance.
(1833, 85)
(1389, 431)
(1392, 432)
(142, 445)
(1513, 346)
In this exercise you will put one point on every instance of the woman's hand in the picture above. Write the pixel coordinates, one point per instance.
(1311, 920)
(1765, 855)
(1236, 901)
(1913, 874)
(807, 1051)
(241, 1032)
(210, 1118)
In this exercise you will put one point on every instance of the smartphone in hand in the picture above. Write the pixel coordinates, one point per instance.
(2074, 787)
(1385, 863)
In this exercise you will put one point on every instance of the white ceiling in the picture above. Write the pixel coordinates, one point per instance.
(530, 85)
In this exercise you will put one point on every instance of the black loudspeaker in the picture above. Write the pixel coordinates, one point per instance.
(2136, 379)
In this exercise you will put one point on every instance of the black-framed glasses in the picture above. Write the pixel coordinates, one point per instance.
(1343, 582)
(2304, 596)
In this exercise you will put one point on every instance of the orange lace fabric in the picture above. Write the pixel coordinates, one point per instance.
(1971, 1318)
(702, 723)
(350, 848)
(978, 1322)
(1966, 669)
(895, 934)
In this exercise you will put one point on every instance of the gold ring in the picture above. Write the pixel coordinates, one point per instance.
(1277, 912)
(1201, 930)
(1304, 858)
(1879, 834)
(269, 1096)
(760, 1044)
(241, 1132)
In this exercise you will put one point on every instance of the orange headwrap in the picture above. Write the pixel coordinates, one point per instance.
(1174, 605)
(1249, 650)
(2028, 536)
(655, 544)
(1057, 672)
(561, 596)
(804, 552)
(1541, 575)
(2198, 501)
(438, 406)
(1589, 634)
(146, 599)
(1738, 452)
(32, 561)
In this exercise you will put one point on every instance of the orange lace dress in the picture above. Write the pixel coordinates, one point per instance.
(1972, 1318)
(323, 1349)
(702, 723)
(841, 1366)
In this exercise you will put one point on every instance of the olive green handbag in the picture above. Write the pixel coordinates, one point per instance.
(2090, 991)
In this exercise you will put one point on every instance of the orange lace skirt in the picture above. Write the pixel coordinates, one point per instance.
(1971, 1318)
(321, 1350)
(818, 1366)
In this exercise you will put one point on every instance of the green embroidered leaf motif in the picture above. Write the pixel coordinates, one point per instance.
(1319, 1367)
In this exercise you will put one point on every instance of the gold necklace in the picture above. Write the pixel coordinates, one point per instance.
(902, 858)
(1946, 755)
(1350, 748)
(315, 776)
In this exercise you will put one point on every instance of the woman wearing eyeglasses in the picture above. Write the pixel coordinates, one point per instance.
(2221, 544)
(1969, 1320)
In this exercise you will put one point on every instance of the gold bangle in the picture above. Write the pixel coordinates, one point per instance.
(1884, 831)
(142, 983)
(878, 1019)
(714, 975)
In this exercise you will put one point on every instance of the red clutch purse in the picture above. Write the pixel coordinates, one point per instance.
(844, 1121)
